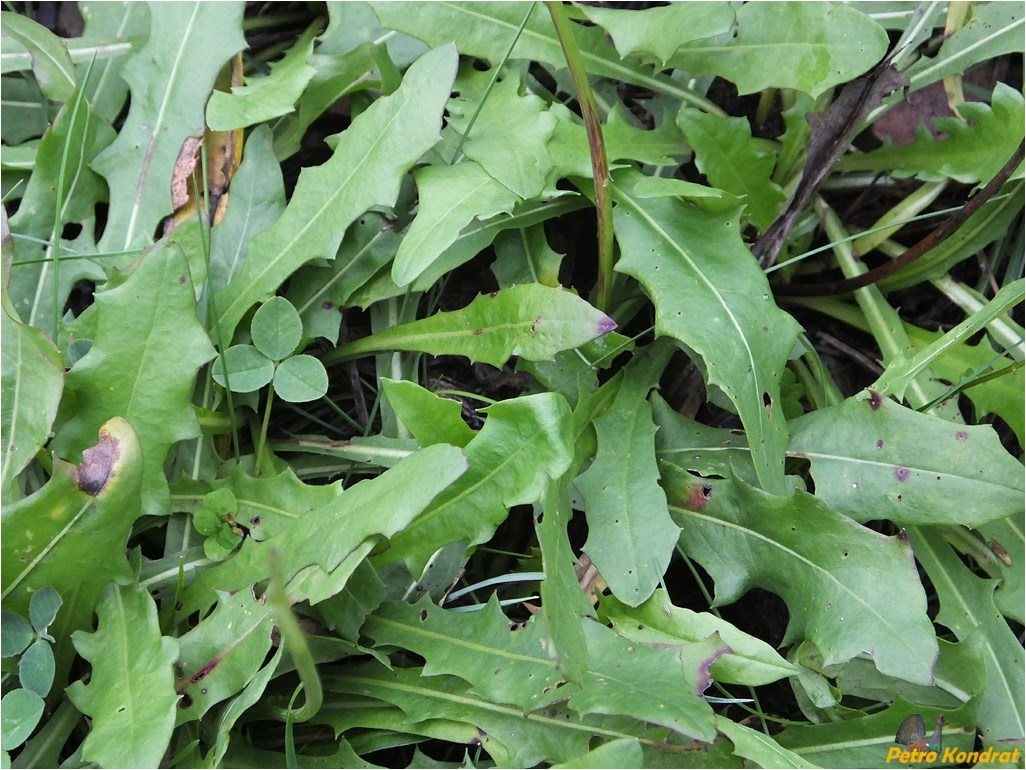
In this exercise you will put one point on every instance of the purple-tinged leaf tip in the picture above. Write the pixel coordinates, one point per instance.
(606, 325)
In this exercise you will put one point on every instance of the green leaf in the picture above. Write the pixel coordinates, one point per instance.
(21, 710)
(276, 328)
(249, 696)
(170, 78)
(959, 677)
(553, 734)
(336, 75)
(450, 198)
(262, 99)
(661, 31)
(876, 459)
(630, 533)
(430, 418)
(866, 741)
(796, 547)
(726, 153)
(220, 655)
(43, 607)
(623, 752)
(370, 159)
(993, 29)
(130, 695)
(564, 604)
(658, 621)
(974, 149)
(509, 138)
(503, 665)
(1008, 535)
(257, 200)
(967, 608)
(524, 442)
(15, 633)
(343, 529)
(68, 148)
(126, 22)
(623, 140)
(300, 379)
(524, 256)
(215, 518)
(82, 516)
(712, 296)
(698, 448)
(36, 668)
(758, 747)
(1003, 396)
(660, 685)
(51, 63)
(531, 321)
(473, 239)
(248, 369)
(321, 293)
(130, 371)
(811, 47)
(486, 31)
(29, 119)
(32, 381)
(215, 507)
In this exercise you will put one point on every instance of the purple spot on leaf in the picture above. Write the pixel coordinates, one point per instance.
(879, 443)
(98, 464)
(901, 473)
(704, 679)
(961, 436)
(606, 325)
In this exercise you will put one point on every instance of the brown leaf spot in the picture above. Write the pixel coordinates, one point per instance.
(184, 168)
(879, 443)
(1001, 552)
(98, 464)
(875, 399)
(698, 497)
(327, 305)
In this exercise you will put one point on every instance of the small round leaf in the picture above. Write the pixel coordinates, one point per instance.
(277, 328)
(15, 633)
(248, 369)
(300, 378)
(19, 714)
(43, 608)
(36, 667)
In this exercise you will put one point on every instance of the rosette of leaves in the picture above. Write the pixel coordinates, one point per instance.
(276, 332)
(29, 642)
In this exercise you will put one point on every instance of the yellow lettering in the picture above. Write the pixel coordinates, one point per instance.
(893, 753)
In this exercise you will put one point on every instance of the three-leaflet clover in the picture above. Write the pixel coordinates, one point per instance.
(276, 332)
